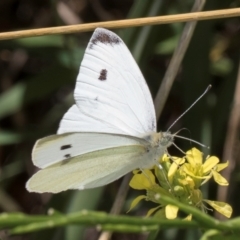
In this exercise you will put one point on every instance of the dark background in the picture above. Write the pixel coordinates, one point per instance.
(37, 77)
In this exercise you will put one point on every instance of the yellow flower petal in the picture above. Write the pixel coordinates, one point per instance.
(174, 166)
(209, 164)
(194, 156)
(219, 178)
(164, 158)
(222, 207)
(171, 211)
(142, 181)
(189, 172)
(188, 217)
(190, 182)
(136, 201)
(221, 166)
(151, 211)
(136, 171)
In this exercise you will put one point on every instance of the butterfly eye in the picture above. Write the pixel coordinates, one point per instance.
(167, 139)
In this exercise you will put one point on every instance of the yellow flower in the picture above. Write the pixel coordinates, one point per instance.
(180, 179)
(204, 171)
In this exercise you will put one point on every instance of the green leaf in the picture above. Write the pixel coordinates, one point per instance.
(42, 41)
(213, 234)
(26, 92)
(71, 59)
(151, 211)
(136, 201)
(7, 137)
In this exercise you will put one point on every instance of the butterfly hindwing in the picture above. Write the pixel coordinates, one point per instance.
(88, 170)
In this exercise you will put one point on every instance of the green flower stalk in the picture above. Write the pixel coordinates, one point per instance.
(181, 179)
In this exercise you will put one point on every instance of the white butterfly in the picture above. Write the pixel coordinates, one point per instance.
(110, 131)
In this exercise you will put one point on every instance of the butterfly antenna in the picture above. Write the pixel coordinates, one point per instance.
(180, 131)
(176, 146)
(208, 88)
(191, 140)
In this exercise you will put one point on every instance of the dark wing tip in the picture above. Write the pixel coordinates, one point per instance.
(104, 36)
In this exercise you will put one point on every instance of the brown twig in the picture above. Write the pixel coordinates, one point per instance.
(67, 15)
(176, 61)
(231, 141)
(186, 17)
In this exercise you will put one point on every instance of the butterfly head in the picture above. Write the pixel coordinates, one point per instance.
(166, 139)
(160, 139)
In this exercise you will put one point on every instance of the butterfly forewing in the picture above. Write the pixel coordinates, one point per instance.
(111, 94)
(56, 148)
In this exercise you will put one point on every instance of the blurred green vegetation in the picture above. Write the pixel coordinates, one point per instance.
(37, 77)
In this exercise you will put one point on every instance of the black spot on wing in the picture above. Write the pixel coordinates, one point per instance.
(63, 147)
(67, 155)
(103, 75)
(105, 37)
